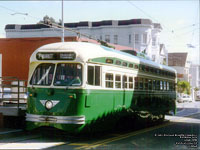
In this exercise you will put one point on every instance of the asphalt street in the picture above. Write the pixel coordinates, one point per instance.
(178, 132)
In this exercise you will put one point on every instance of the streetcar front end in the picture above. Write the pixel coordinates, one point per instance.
(55, 92)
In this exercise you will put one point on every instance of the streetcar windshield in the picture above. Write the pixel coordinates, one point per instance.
(68, 74)
(43, 74)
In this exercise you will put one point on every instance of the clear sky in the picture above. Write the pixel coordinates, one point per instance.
(179, 18)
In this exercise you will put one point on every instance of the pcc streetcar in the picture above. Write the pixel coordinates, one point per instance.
(76, 86)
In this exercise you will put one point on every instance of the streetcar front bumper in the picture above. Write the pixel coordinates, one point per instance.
(55, 119)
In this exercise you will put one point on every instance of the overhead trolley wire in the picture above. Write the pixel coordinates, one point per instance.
(57, 26)
(169, 30)
(131, 3)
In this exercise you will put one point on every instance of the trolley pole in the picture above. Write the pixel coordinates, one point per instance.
(63, 31)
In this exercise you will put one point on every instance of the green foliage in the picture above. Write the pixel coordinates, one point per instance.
(183, 87)
(164, 61)
(196, 89)
(105, 44)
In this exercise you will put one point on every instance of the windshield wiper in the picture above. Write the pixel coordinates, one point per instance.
(44, 76)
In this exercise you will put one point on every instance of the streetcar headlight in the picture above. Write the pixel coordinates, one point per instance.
(49, 104)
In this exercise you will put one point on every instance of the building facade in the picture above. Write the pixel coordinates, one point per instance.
(195, 75)
(179, 62)
(140, 34)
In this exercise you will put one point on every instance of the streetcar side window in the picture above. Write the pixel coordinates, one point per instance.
(150, 84)
(157, 85)
(173, 86)
(141, 83)
(146, 84)
(164, 85)
(97, 75)
(167, 86)
(151, 69)
(93, 77)
(124, 81)
(90, 77)
(118, 81)
(118, 62)
(136, 66)
(109, 61)
(154, 84)
(147, 68)
(124, 64)
(136, 82)
(109, 80)
(170, 86)
(161, 85)
(130, 82)
(130, 65)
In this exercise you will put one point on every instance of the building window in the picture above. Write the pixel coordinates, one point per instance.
(109, 80)
(100, 37)
(145, 38)
(153, 57)
(107, 38)
(154, 41)
(115, 39)
(129, 39)
(137, 38)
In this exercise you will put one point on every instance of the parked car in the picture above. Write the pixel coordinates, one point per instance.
(197, 98)
(184, 98)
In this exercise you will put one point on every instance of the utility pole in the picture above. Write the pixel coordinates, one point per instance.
(63, 30)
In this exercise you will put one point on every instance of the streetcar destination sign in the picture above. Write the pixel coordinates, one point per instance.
(56, 56)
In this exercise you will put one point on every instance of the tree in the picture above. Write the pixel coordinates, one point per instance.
(196, 89)
(105, 44)
(47, 20)
(183, 87)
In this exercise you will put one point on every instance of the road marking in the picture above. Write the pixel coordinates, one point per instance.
(12, 131)
(78, 144)
(120, 137)
(31, 145)
(109, 140)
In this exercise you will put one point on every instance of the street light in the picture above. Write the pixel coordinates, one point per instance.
(18, 13)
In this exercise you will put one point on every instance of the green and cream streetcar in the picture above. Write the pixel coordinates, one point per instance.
(76, 86)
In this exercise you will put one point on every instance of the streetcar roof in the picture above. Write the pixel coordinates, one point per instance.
(85, 51)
